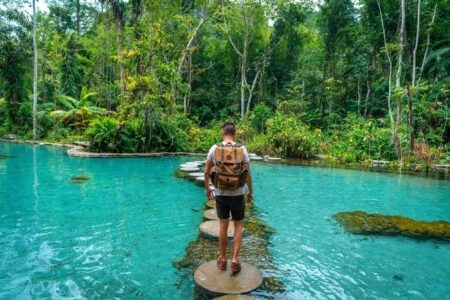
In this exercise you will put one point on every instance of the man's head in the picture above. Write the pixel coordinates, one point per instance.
(229, 129)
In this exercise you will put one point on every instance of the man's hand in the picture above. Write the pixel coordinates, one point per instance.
(250, 197)
(209, 193)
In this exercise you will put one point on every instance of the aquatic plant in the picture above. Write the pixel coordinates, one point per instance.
(359, 222)
(78, 179)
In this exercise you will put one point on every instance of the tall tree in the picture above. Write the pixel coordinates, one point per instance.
(248, 16)
(118, 8)
(35, 73)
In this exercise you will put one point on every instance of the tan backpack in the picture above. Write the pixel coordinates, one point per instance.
(230, 171)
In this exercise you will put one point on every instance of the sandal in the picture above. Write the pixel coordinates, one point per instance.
(221, 264)
(235, 267)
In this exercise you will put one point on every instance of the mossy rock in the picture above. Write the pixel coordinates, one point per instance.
(78, 179)
(359, 222)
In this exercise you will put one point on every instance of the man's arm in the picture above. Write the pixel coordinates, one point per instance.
(250, 186)
(208, 166)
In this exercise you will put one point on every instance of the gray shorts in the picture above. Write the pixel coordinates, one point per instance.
(233, 204)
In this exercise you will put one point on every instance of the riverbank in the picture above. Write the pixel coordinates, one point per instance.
(440, 171)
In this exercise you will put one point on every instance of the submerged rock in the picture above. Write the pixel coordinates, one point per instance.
(359, 222)
(78, 179)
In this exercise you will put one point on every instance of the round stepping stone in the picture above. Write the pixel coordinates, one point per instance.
(211, 228)
(200, 179)
(210, 214)
(209, 278)
(200, 162)
(196, 174)
(189, 166)
(256, 158)
(189, 169)
(211, 203)
(236, 297)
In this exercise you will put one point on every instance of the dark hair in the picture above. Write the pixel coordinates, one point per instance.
(228, 128)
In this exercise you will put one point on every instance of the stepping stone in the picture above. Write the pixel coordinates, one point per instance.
(210, 279)
(210, 214)
(200, 179)
(211, 203)
(236, 297)
(190, 169)
(256, 158)
(211, 229)
(196, 174)
(189, 165)
(200, 162)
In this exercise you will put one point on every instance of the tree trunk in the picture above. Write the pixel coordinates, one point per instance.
(428, 45)
(35, 73)
(358, 100)
(250, 92)
(413, 84)
(119, 31)
(367, 97)
(181, 63)
(78, 18)
(401, 40)
(391, 116)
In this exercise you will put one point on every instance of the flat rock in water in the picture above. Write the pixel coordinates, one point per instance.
(211, 228)
(236, 297)
(210, 214)
(256, 158)
(209, 278)
(189, 169)
(199, 179)
(211, 203)
(196, 174)
(189, 165)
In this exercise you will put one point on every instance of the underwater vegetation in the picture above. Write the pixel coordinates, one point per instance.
(359, 222)
(78, 179)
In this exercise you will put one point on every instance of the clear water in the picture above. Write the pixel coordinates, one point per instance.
(116, 235)
(317, 259)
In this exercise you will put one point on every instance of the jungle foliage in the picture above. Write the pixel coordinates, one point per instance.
(300, 78)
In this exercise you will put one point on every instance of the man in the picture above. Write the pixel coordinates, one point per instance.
(229, 201)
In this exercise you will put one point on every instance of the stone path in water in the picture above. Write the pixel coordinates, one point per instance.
(257, 275)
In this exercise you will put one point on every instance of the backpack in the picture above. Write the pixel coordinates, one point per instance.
(230, 171)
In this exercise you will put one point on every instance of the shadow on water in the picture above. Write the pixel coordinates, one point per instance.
(5, 156)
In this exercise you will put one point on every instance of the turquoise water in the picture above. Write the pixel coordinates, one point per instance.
(317, 259)
(116, 235)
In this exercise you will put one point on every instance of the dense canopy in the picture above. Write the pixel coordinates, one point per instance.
(354, 80)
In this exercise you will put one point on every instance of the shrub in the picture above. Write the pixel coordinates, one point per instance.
(107, 134)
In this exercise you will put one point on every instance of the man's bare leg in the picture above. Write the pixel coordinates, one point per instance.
(223, 238)
(237, 240)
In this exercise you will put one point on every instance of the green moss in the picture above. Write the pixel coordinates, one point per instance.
(78, 179)
(359, 222)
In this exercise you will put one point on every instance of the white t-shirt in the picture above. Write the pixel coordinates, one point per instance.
(239, 191)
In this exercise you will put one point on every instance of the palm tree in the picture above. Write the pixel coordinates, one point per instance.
(77, 113)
